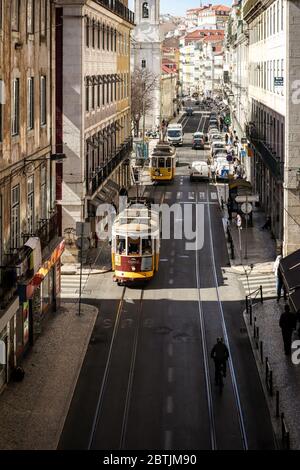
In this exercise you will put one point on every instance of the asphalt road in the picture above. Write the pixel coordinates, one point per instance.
(147, 381)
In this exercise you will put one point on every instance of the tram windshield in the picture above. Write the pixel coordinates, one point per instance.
(134, 246)
(146, 246)
(169, 162)
(121, 245)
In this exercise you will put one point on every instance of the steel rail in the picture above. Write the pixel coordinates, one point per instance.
(225, 334)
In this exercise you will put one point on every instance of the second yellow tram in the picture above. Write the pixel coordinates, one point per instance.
(163, 162)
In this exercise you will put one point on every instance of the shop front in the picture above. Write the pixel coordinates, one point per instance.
(39, 297)
(8, 341)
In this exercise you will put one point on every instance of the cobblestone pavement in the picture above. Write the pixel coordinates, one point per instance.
(286, 375)
(33, 411)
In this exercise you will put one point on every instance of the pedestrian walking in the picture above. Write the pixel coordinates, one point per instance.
(279, 279)
(287, 324)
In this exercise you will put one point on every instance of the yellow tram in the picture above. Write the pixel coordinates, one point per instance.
(135, 244)
(163, 162)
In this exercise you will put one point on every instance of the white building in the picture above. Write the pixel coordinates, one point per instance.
(147, 49)
(274, 126)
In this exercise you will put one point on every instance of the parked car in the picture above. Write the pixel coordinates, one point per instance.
(198, 140)
(219, 152)
(199, 170)
(216, 137)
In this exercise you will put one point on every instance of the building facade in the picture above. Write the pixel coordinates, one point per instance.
(147, 44)
(30, 248)
(93, 107)
(274, 127)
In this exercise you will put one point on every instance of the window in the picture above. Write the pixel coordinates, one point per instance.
(43, 18)
(2, 101)
(282, 75)
(93, 34)
(145, 12)
(98, 35)
(115, 40)
(107, 37)
(30, 103)
(15, 217)
(1, 13)
(93, 95)
(30, 16)
(282, 11)
(15, 15)
(30, 205)
(103, 36)
(87, 95)
(87, 32)
(98, 92)
(43, 207)
(15, 108)
(277, 23)
(103, 92)
(143, 64)
(43, 100)
(111, 39)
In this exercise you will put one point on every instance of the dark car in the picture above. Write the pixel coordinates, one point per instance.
(197, 103)
(189, 112)
(198, 141)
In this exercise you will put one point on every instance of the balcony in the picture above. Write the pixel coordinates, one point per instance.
(118, 8)
(270, 160)
(99, 177)
(46, 231)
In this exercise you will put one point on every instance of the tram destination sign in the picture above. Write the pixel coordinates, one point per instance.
(245, 199)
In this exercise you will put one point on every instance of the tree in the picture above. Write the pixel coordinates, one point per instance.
(143, 85)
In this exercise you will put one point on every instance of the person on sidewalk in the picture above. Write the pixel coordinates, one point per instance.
(279, 279)
(287, 324)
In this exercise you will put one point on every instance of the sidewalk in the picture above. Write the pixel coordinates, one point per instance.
(33, 411)
(286, 375)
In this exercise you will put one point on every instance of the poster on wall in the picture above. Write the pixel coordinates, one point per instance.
(25, 323)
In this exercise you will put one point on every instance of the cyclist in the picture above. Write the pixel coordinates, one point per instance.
(220, 355)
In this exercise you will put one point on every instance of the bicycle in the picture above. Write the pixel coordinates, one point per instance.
(219, 375)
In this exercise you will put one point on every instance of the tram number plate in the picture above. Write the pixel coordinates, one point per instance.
(146, 264)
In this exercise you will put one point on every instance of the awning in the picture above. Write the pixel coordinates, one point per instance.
(290, 270)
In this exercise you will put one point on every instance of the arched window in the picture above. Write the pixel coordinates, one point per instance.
(145, 10)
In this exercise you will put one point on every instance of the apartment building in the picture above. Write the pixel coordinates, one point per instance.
(93, 106)
(274, 127)
(30, 248)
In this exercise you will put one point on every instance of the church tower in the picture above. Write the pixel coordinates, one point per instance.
(147, 49)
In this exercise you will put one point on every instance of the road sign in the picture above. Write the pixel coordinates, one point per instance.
(83, 229)
(83, 245)
(238, 221)
(252, 198)
(247, 208)
(278, 81)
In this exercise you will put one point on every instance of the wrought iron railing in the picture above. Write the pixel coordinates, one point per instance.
(118, 8)
(100, 176)
(46, 231)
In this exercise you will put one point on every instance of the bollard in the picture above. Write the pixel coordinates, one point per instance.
(277, 404)
(250, 312)
(247, 304)
(267, 370)
(261, 352)
(261, 295)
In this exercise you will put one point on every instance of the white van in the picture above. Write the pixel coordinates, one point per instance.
(199, 170)
(175, 134)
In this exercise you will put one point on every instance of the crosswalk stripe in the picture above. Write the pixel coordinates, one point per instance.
(179, 195)
(267, 281)
(214, 196)
(168, 195)
(201, 195)
(191, 195)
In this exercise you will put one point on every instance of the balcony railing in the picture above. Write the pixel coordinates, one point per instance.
(16, 264)
(270, 160)
(100, 176)
(46, 231)
(118, 8)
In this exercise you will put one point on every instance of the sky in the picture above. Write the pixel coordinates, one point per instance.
(179, 7)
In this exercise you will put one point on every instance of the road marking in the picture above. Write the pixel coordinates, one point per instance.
(168, 440)
(173, 253)
(201, 195)
(169, 405)
(179, 195)
(171, 282)
(171, 271)
(168, 195)
(214, 196)
(170, 349)
(164, 260)
(170, 374)
(191, 196)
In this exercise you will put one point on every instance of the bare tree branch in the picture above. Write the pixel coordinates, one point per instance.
(143, 84)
